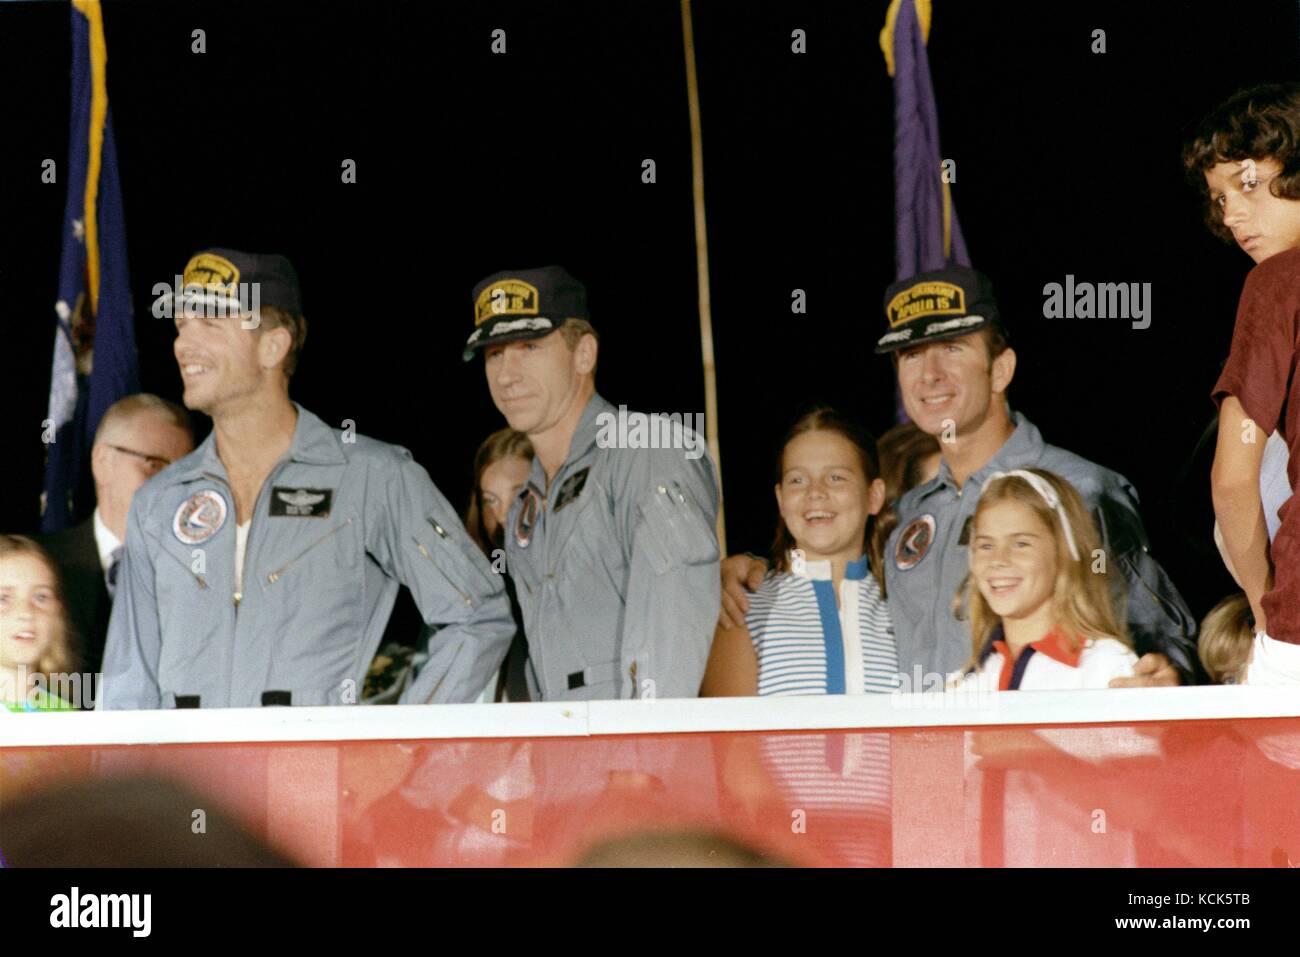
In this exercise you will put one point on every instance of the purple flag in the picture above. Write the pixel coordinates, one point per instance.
(920, 193)
(919, 190)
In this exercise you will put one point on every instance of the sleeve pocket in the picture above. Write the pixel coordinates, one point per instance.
(675, 529)
(449, 551)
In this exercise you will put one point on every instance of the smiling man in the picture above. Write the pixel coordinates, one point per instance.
(954, 364)
(261, 569)
(613, 549)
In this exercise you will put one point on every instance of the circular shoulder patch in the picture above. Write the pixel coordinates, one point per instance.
(914, 542)
(199, 517)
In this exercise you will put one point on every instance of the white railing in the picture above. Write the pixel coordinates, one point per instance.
(582, 718)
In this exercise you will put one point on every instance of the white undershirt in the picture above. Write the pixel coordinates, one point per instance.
(241, 544)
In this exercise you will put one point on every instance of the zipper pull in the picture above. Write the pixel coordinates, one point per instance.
(632, 674)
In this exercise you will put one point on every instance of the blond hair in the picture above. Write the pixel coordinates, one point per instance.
(1225, 639)
(1083, 603)
(61, 656)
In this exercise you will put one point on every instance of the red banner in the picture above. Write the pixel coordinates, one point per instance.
(1179, 793)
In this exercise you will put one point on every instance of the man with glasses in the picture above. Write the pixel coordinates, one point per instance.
(138, 437)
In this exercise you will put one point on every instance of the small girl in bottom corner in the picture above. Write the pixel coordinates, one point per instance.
(35, 637)
(1041, 617)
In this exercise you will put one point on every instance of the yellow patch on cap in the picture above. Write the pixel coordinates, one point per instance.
(505, 297)
(212, 272)
(929, 298)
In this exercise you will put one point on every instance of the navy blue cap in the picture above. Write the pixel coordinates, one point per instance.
(229, 277)
(522, 304)
(937, 305)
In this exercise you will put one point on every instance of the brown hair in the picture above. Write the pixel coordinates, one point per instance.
(1255, 123)
(1081, 597)
(1223, 644)
(501, 444)
(61, 657)
(995, 338)
(273, 317)
(901, 451)
(572, 330)
(825, 419)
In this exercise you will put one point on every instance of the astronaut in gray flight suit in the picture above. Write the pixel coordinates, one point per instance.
(290, 607)
(612, 544)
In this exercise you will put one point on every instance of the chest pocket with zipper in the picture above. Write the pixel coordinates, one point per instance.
(581, 544)
(338, 544)
(311, 587)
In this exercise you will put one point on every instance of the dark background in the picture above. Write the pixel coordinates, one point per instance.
(467, 162)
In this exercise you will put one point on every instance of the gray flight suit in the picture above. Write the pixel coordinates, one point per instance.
(617, 570)
(339, 524)
(927, 558)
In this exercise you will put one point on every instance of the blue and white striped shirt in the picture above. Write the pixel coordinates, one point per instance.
(807, 645)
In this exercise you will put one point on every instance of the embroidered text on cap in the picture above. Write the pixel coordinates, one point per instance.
(929, 298)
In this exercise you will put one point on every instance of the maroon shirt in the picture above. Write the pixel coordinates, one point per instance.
(1261, 373)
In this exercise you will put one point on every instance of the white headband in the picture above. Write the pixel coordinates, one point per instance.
(1040, 485)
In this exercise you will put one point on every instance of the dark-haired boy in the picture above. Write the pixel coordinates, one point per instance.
(1247, 153)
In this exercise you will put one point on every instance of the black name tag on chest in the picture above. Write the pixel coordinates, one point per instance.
(301, 502)
(571, 489)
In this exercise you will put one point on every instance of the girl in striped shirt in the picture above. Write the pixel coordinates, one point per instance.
(819, 623)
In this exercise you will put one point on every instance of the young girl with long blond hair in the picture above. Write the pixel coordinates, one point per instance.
(1039, 593)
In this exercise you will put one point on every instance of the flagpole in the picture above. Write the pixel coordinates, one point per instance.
(702, 270)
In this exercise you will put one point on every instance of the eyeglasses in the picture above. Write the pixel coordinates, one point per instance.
(155, 463)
